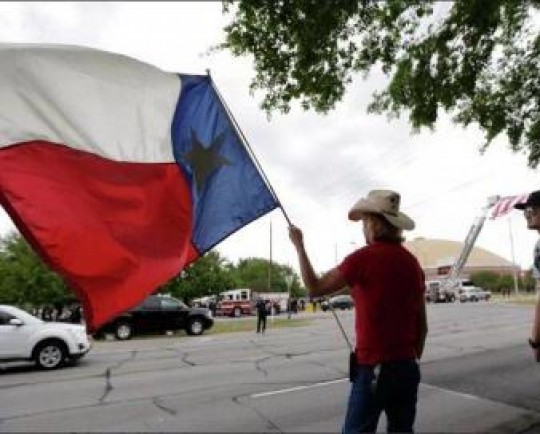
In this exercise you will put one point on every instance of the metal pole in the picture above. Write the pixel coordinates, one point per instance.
(341, 327)
(516, 288)
(270, 262)
(288, 281)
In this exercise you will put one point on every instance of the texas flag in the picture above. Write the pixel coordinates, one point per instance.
(117, 173)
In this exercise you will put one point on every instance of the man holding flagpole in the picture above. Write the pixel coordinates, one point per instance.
(531, 211)
(388, 288)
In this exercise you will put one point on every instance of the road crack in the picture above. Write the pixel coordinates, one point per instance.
(269, 424)
(183, 356)
(108, 374)
(258, 365)
(162, 407)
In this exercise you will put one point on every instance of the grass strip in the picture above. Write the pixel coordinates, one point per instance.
(230, 326)
(526, 298)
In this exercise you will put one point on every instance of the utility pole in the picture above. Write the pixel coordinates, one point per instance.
(288, 280)
(270, 262)
(514, 271)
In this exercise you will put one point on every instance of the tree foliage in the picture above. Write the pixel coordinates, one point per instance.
(480, 62)
(495, 282)
(486, 280)
(261, 275)
(209, 275)
(25, 279)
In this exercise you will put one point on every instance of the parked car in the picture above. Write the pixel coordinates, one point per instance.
(48, 344)
(342, 302)
(473, 293)
(158, 314)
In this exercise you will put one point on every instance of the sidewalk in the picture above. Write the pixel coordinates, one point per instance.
(441, 410)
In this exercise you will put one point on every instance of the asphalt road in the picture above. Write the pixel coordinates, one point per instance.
(478, 376)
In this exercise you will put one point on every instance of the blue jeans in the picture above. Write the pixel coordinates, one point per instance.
(395, 392)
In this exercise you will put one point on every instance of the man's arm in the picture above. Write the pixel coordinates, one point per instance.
(330, 282)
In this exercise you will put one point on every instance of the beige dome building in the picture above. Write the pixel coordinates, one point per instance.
(436, 255)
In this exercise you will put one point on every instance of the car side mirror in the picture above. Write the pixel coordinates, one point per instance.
(16, 322)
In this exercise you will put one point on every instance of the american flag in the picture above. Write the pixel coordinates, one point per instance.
(506, 204)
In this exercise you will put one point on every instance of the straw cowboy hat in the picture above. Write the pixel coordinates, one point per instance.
(385, 203)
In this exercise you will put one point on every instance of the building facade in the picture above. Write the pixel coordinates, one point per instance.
(437, 256)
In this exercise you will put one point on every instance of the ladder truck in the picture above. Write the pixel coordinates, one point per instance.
(446, 290)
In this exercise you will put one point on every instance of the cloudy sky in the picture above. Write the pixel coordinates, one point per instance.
(318, 165)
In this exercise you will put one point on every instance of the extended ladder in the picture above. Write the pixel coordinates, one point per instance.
(451, 280)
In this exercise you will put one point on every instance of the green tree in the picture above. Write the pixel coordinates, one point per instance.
(505, 281)
(528, 282)
(486, 280)
(494, 282)
(258, 273)
(25, 279)
(480, 62)
(209, 275)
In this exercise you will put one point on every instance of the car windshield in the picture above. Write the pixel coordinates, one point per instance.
(341, 298)
(172, 303)
(21, 314)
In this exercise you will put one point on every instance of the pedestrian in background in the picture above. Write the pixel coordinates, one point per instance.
(388, 286)
(261, 315)
(531, 211)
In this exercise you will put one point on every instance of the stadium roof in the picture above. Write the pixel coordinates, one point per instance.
(432, 253)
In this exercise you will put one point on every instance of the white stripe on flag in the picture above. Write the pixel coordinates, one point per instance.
(506, 204)
(99, 102)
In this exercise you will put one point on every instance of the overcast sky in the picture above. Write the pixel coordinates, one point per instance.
(318, 165)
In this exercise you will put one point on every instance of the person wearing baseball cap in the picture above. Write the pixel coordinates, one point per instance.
(388, 286)
(531, 211)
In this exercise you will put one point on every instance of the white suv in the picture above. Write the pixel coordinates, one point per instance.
(49, 344)
(473, 293)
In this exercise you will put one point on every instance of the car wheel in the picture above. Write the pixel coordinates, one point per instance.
(237, 312)
(50, 354)
(195, 327)
(99, 335)
(123, 331)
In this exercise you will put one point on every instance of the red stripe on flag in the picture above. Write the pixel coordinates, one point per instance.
(506, 204)
(114, 230)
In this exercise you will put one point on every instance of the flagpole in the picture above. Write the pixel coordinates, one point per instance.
(248, 148)
(263, 174)
(270, 263)
(516, 288)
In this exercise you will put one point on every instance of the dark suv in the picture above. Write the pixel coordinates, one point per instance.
(342, 302)
(158, 314)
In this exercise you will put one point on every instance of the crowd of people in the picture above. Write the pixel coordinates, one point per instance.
(59, 312)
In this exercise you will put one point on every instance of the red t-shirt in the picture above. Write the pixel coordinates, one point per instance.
(387, 285)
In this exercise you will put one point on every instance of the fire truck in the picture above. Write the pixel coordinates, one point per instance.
(446, 289)
(238, 302)
(235, 302)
